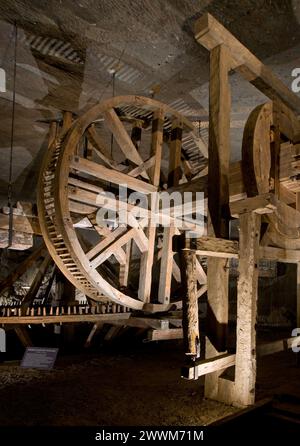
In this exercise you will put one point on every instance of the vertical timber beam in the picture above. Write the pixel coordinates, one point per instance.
(245, 365)
(175, 174)
(219, 136)
(144, 291)
(190, 319)
(219, 214)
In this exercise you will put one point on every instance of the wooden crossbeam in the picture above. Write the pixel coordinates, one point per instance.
(109, 238)
(112, 175)
(116, 244)
(210, 33)
(203, 367)
(165, 335)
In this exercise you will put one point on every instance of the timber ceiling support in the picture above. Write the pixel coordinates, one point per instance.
(271, 134)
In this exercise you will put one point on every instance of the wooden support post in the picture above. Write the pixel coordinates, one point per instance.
(218, 205)
(147, 257)
(245, 368)
(175, 173)
(190, 320)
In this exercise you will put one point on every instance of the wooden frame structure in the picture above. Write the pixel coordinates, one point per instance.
(269, 130)
(264, 187)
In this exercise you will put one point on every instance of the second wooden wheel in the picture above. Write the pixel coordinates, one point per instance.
(270, 130)
(126, 141)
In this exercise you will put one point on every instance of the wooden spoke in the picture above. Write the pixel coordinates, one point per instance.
(107, 241)
(106, 174)
(175, 173)
(124, 269)
(166, 268)
(123, 139)
(116, 244)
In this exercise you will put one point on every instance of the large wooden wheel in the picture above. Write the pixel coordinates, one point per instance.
(270, 129)
(129, 140)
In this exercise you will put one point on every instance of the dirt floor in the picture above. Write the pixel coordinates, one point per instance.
(124, 388)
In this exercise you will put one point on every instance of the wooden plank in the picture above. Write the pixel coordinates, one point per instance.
(210, 33)
(245, 369)
(165, 335)
(123, 139)
(216, 247)
(207, 366)
(203, 367)
(218, 210)
(144, 322)
(166, 268)
(111, 175)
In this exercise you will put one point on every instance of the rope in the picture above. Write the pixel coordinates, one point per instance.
(10, 191)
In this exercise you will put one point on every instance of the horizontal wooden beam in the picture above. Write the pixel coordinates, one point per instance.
(261, 204)
(63, 318)
(210, 33)
(203, 367)
(217, 247)
(208, 366)
(165, 335)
